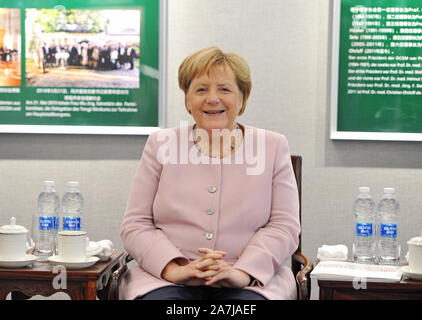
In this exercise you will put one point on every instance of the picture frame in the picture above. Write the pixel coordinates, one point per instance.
(120, 92)
(375, 70)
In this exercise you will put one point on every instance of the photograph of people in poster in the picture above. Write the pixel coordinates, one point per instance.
(10, 47)
(82, 48)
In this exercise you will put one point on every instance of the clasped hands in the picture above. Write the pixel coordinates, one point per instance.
(209, 270)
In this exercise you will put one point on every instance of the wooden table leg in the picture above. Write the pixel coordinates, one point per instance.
(91, 290)
(3, 294)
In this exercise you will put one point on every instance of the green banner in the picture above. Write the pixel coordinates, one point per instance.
(79, 63)
(380, 66)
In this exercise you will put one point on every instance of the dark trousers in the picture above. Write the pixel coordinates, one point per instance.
(200, 293)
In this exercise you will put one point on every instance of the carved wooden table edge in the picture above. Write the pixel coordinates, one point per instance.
(37, 279)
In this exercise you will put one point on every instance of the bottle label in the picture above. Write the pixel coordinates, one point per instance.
(56, 223)
(72, 224)
(389, 230)
(364, 229)
(46, 223)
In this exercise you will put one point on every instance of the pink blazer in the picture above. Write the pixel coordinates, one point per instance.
(176, 207)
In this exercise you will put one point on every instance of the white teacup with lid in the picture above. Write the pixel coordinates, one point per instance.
(12, 241)
(415, 254)
(72, 245)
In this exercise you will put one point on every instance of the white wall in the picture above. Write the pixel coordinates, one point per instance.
(288, 45)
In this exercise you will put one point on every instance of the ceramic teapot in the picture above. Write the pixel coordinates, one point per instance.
(12, 241)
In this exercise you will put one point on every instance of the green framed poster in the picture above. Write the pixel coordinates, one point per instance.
(82, 66)
(376, 84)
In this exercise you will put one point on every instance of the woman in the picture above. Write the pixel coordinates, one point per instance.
(198, 222)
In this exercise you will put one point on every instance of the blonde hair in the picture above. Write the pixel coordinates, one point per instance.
(204, 59)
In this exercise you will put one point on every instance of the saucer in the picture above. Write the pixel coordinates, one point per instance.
(18, 263)
(406, 272)
(89, 261)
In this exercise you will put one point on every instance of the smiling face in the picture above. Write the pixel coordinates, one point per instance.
(214, 99)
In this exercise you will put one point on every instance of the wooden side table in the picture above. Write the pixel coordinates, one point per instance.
(345, 290)
(84, 284)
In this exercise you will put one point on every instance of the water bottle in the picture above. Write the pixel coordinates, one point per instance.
(388, 245)
(46, 220)
(73, 205)
(364, 244)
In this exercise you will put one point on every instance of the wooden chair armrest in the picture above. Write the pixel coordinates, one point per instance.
(303, 276)
(117, 276)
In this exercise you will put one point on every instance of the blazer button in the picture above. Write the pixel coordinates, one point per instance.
(209, 235)
(212, 189)
(210, 211)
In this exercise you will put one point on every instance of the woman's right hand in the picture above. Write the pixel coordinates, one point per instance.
(195, 272)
